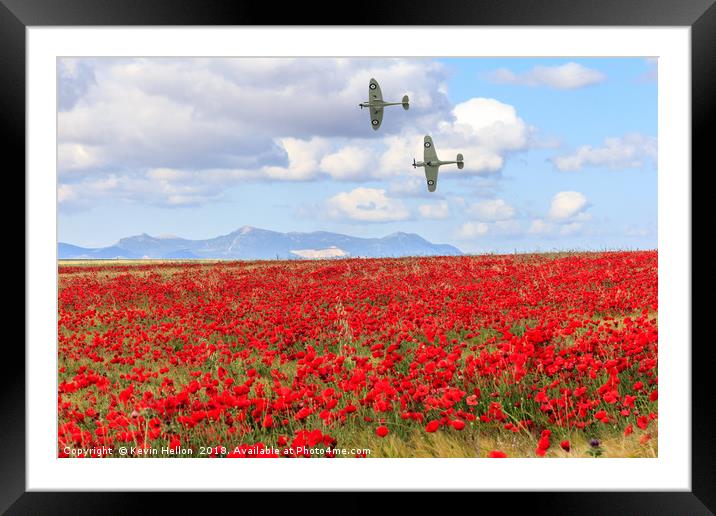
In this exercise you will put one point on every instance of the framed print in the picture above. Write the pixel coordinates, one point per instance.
(435, 241)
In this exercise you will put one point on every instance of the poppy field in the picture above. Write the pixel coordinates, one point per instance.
(542, 355)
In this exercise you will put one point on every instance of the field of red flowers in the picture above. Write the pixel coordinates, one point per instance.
(474, 356)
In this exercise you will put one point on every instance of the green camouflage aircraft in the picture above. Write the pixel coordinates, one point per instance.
(432, 163)
(376, 104)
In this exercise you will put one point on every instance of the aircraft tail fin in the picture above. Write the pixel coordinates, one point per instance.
(406, 102)
(460, 163)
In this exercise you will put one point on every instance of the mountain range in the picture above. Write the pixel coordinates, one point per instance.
(250, 243)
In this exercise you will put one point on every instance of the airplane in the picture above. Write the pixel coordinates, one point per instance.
(432, 163)
(376, 104)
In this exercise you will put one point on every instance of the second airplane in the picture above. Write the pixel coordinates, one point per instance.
(432, 163)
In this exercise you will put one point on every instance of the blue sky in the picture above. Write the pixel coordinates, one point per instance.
(559, 153)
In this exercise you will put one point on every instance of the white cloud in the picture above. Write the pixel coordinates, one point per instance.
(66, 194)
(546, 228)
(540, 227)
(265, 96)
(411, 186)
(348, 163)
(473, 229)
(568, 76)
(439, 210)
(494, 123)
(158, 187)
(566, 205)
(493, 216)
(250, 118)
(491, 210)
(366, 205)
(303, 159)
(72, 156)
(507, 227)
(179, 131)
(500, 228)
(167, 174)
(630, 151)
(484, 130)
(566, 216)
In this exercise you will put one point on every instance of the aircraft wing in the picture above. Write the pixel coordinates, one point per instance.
(429, 153)
(376, 117)
(374, 92)
(431, 175)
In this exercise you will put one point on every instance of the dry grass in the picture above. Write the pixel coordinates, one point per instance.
(471, 443)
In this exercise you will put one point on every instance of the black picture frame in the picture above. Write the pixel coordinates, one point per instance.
(700, 15)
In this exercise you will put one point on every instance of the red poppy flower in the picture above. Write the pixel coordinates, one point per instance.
(457, 424)
(497, 454)
(642, 422)
(432, 426)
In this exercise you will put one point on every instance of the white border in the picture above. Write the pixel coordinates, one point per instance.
(670, 471)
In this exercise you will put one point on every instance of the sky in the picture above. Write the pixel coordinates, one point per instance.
(560, 153)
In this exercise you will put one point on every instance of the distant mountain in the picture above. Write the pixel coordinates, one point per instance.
(249, 243)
